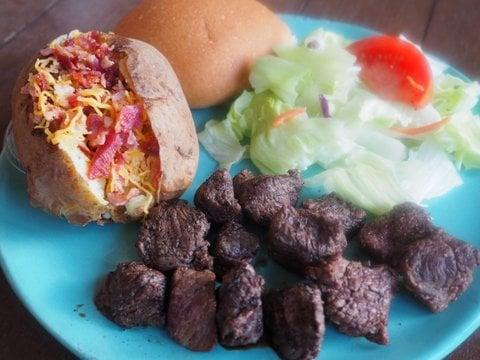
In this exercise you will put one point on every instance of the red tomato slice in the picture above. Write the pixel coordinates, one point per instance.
(394, 69)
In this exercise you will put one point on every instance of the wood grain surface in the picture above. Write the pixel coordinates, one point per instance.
(447, 28)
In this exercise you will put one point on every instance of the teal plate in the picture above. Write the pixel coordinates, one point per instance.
(55, 269)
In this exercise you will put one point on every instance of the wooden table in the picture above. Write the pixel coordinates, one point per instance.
(447, 28)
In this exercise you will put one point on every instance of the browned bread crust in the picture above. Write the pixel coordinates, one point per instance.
(211, 44)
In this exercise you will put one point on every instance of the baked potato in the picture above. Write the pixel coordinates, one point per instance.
(102, 128)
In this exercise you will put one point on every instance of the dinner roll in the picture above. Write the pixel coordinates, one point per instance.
(211, 44)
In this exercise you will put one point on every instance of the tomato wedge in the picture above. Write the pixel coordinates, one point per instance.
(394, 69)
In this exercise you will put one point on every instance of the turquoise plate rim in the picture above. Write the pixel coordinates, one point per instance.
(448, 344)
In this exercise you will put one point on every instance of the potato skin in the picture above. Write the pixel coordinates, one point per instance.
(152, 78)
(53, 182)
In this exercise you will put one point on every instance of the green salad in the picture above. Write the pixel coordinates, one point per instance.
(383, 130)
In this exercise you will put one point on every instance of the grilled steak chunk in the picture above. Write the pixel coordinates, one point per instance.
(234, 246)
(173, 235)
(240, 315)
(133, 295)
(215, 197)
(295, 322)
(386, 237)
(357, 298)
(298, 238)
(333, 207)
(262, 196)
(438, 269)
(191, 309)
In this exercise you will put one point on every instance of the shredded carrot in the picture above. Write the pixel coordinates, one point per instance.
(288, 115)
(421, 130)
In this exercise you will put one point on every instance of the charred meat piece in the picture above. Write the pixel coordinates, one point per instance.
(438, 269)
(234, 246)
(240, 314)
(191, 309)
(294, 321)
(386, 237)
(215, 197)
(298, 238)
(133, 295)
(262, 196)
(173, 235)
(335, 208)
(357, 298)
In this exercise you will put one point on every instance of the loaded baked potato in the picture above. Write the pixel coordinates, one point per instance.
(102, 128)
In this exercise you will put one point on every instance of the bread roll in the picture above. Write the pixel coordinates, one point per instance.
(211, 44)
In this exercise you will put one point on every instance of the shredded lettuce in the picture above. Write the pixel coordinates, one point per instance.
(361, 158)
(461, 138)
(220, 141)
(300, 143)
(241, 124)
(280, 76)
(366, 179)
(382, 144)
(377, 184)
(366, 107)
(298, 74)
(333, 70)
(453, 95)
(429, 173)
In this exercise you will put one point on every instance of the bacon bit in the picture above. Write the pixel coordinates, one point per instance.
(104, 155)
(55, 114)
(46, 51)
(119, 199)
(64, 58)
(42, 82)
(105, 63)
(97, 129)
(129, 118)
(107, 121)
(414, 84)
(421, 130)
(29, 89)
(68, 43)
(73, 101)
(85, 78)
(96, 36)
(119, 159)
(93, 63)
(287, 115)
(103, 51)
(87, 42)
(111, 75)
(94, 122)
(59, 119)
(103, 81)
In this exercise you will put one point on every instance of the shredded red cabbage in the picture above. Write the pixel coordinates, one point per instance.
(325, 107)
